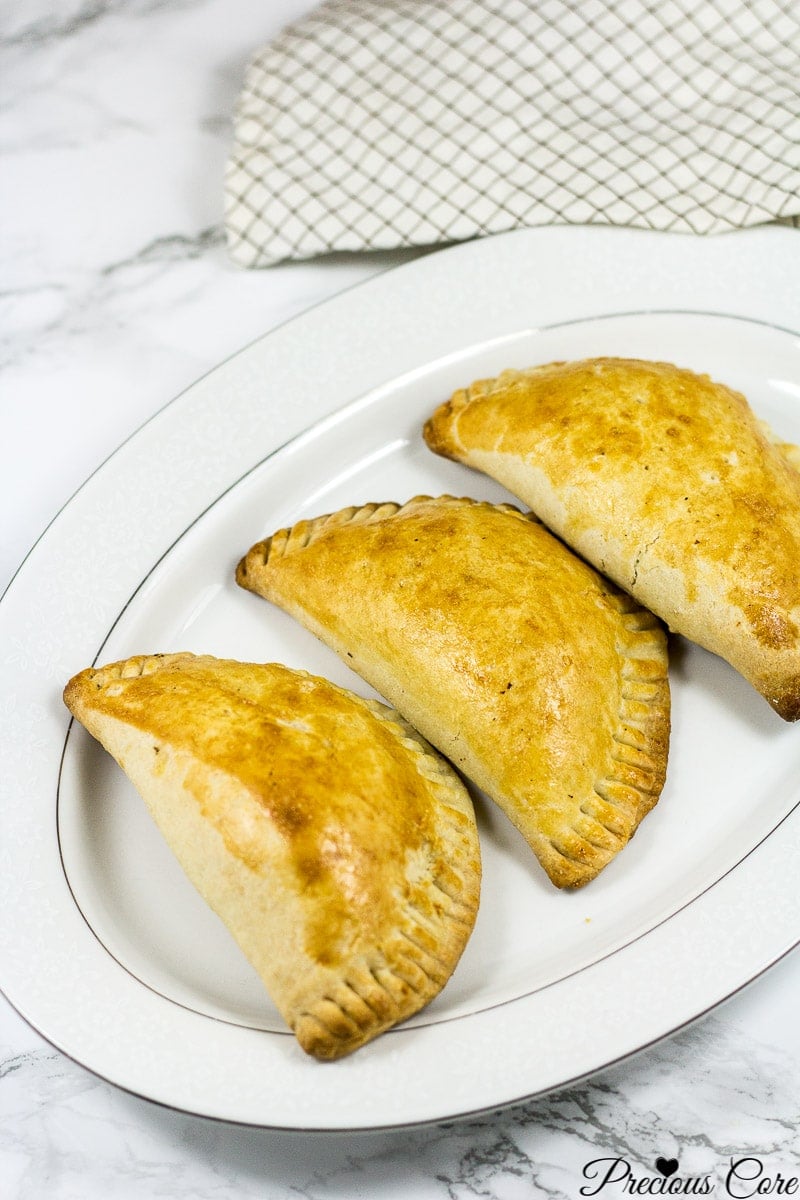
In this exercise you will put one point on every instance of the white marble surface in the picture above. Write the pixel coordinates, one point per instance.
(116, 294)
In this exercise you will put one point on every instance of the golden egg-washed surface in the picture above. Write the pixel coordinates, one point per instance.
(532, 673)
(339, 849)
(666, 481)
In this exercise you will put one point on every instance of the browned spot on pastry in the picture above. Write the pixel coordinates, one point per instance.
(772, 627)
(785, 700)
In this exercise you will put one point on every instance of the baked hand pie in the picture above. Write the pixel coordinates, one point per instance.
(534, 675)
(337, 847)
(666, 482)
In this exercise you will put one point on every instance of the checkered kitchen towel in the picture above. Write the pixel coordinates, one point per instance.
(369, 125)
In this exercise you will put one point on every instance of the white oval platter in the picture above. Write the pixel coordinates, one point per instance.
(104, 946)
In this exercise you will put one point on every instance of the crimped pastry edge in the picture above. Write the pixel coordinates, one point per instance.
(292, 538)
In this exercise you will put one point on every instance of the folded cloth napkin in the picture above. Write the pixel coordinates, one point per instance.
(372, 125)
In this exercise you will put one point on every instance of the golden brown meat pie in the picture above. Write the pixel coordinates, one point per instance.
(537, 677)
(337, 847)
(665, 481)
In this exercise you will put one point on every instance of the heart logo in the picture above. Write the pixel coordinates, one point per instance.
(667, 1166)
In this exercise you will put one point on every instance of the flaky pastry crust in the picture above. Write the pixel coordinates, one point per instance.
(340, 850)
(532, 673)
(665, 481)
